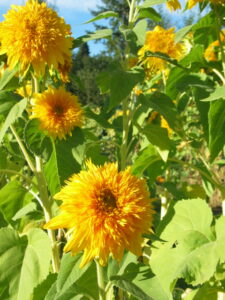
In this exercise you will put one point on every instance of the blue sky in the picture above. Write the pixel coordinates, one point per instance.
(76, 12)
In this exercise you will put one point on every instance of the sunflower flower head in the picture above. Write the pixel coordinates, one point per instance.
(164, 124)
(192, 3)
(163, 41)
(107, 211)
(58, 112)
(34, 35)
(25, 90)
(173, 5)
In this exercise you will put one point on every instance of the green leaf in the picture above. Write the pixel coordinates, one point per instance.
(145, 159)
(29, 260)
(196, 55)
(130, 287)
(74, 281)
(140, 30)
(117, 77)
(3, 158)
(192, 214)
(149, 3)
(191, 251)
(205, 30)
(149, 13)
(180, 34)
(99, 118)
(41, 290)
(216, 128)
(15, 113)
(51, 171)
(30, 207)
(158, 137)
(13, 196)
(205, 292)
(104, 15)
(165, 57)
(62, 164)
(36, 140)
(7, 101)
(163, 105)
(220, 235)
(99, 34)
(219, 93)
(7, 77)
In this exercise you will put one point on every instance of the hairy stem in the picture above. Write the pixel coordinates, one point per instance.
(22, 148)
(101, 282)
(123, 149)
(218, 27)
(44, 196)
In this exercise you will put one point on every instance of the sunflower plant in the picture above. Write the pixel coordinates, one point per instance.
(121, 201)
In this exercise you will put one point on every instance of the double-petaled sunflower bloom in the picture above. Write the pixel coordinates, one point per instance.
(163, 41)
(192, 3)
(58, 112)
(173, 4)
(106, 212)
(34, 35)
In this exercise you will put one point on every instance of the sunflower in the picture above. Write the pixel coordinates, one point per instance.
(173, 4)
(34, 35)
(58, 112)
(107, 211)
(164, 124)
(192, 3)
(163, 41)
(211, 51)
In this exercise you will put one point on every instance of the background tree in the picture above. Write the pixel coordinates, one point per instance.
(83, 75)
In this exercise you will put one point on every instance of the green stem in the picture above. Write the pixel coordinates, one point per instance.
(23, 149)
(101, 282)
(43, 190)
(123, 149)
(18, 174)
(42, 187)
(218, 27)
(132, 10)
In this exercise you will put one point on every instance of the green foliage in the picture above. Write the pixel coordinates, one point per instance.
(29, 259)
(116, 76)
(126, 110)
(13, 197)
(73, 281)
(15, 113)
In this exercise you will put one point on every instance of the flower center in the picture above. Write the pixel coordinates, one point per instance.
(58, 110)
(108, 199)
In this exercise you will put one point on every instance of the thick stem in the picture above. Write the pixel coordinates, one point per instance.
(101, 282)
(132, 10)
(23, 149)
(6, 171)
(218, 26)
(123, 149)
(42, 187)
(43, 190)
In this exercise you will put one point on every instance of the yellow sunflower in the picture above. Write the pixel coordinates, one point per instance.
(26, 90)
(192, 3)
(211, 51)
(159, 40)
(164, 124)
(107, 211)
(173, 5)
(34, 35)
(58, 112)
